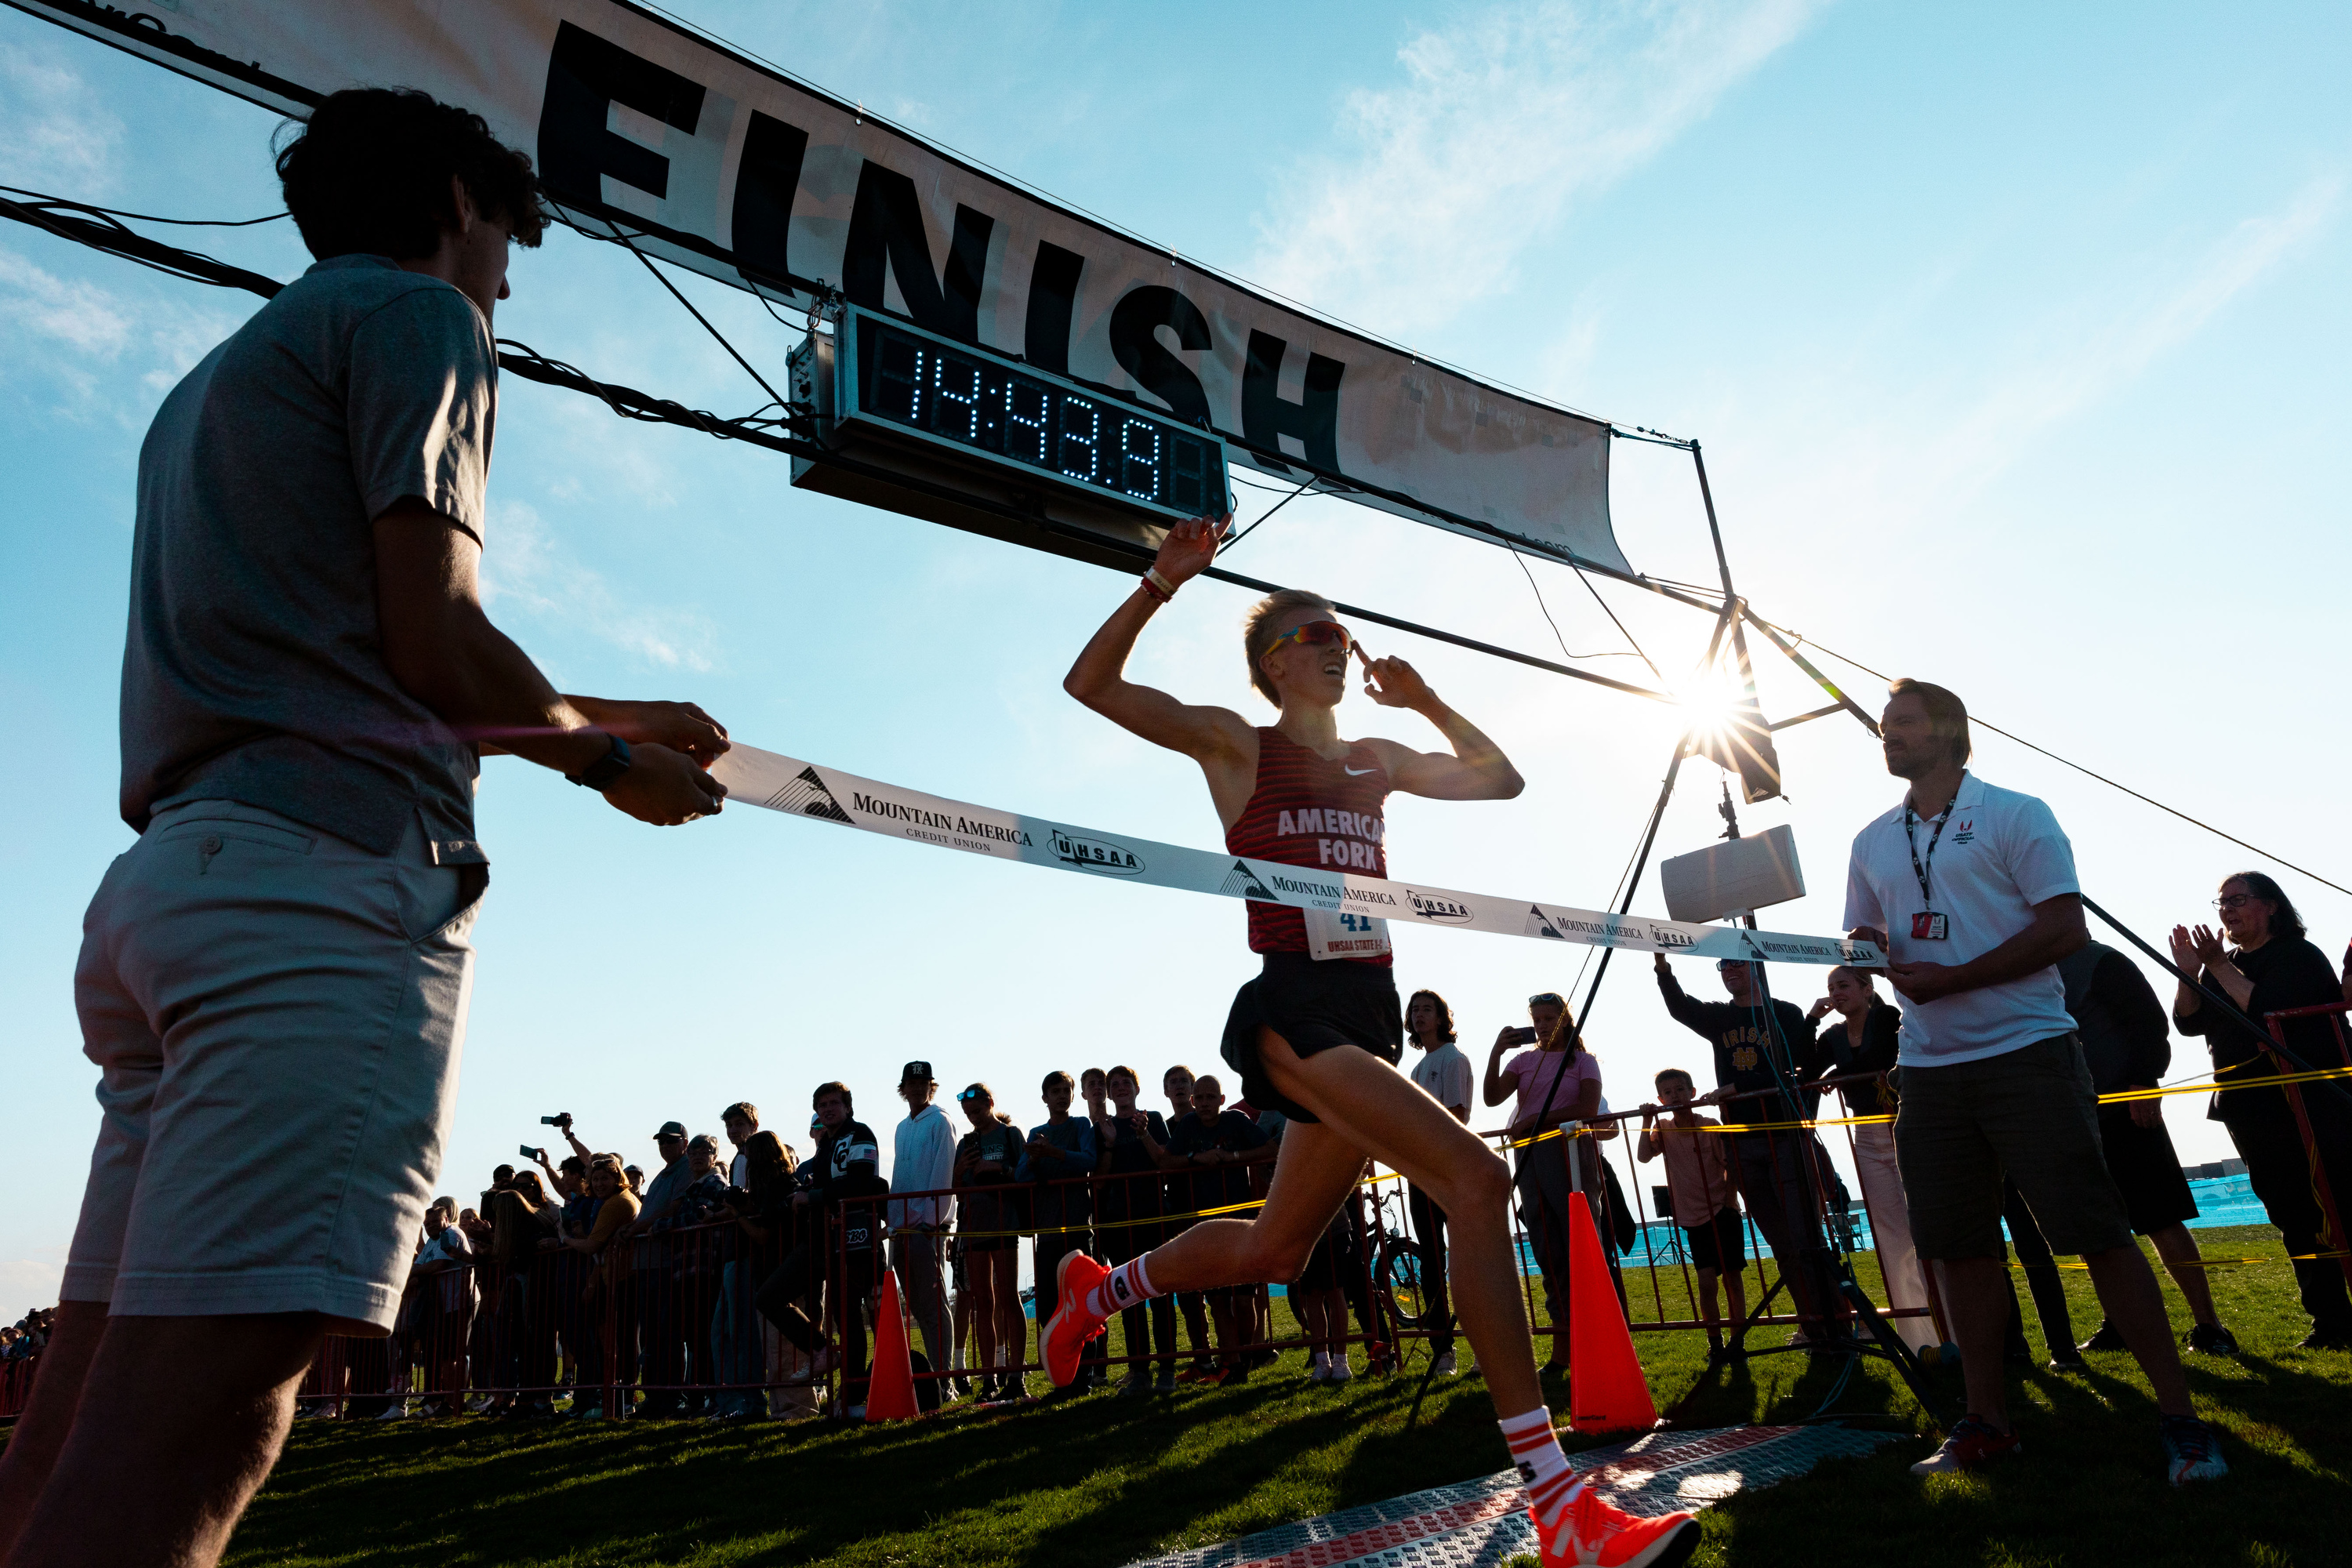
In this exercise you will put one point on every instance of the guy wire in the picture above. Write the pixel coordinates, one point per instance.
(1555, 625)
(1269, 512)
(1801, 639)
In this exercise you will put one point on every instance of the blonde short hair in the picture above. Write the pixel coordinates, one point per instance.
(1258, 633)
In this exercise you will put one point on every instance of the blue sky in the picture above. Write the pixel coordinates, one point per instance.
(2015, 336)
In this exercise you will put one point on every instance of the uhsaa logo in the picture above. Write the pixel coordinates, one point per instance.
(1666, 936)
(1430, 908)
(1096, 855)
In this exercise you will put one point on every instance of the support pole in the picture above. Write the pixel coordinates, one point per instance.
(1706, 495)
(1640, 862)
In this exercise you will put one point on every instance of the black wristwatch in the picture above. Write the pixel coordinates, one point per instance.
(605, 771)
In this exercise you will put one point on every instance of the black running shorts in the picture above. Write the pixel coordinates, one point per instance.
(1315, 1005)
(1719, 1240)
(2157, 1196)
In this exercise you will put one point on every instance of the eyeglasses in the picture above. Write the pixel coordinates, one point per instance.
(2233, 901)
(1315, 634)
(1547, 999)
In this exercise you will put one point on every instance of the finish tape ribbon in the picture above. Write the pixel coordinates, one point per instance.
(754, 777)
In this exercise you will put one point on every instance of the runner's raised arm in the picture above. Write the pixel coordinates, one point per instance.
(1223, 741)
(1477, 768)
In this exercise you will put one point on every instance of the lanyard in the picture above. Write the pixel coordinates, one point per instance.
(1917, 869)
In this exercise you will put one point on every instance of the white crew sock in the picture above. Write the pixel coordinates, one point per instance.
(1542, 1465)
(1126, 1286)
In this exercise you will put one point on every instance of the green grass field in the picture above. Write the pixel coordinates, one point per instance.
(1103, 1480)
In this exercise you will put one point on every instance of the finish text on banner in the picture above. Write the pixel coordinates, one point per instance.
(714, 160)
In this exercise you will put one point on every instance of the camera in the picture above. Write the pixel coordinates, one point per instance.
(561, 1119)
(1524, 1034)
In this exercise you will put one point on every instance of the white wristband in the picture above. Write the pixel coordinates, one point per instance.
(1162, 583)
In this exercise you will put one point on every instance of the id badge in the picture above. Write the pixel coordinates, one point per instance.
(1929, 926)
(1343, 933)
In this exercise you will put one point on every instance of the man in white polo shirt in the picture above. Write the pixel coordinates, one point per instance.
(1972, 890)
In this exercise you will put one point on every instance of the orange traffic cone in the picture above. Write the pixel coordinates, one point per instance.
(890, 1395)
(1606, 1391)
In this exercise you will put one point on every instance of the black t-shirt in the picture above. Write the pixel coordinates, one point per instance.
(861, 1217)
(839, 1152)
(1834, 1055)
(1741, 1035)
(1001, 1144)
(2287, 972)
(2125, 1038)
(1217, 1185)
(1125, 1156)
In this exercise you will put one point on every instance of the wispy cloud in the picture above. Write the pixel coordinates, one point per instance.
(60, 134)
(1501, 124)
(2107, 347)
(80, 315)
(526, 565)
(1932, 446)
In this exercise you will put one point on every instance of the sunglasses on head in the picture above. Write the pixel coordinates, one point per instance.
(1315, 634)
(1547, 999)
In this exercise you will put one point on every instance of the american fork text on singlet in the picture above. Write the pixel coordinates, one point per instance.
(1315, 812)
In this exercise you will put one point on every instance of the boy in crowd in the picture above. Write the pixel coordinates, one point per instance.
(1444, 1074)
(844, 1166)
(1219, 1145)
(1779, 1175)
(1704, 1196)
(1060, 1149)
(1176, 1083)
(922, 1160)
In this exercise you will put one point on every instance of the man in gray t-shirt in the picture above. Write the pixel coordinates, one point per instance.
(274, 979)
(253, 669)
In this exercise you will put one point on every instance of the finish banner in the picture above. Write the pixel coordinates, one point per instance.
(744, 173)
(1359, 904)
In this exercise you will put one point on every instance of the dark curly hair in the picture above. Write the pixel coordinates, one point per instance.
(1445, 1014)
(370, 175)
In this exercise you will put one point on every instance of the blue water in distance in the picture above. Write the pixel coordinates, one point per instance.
(2221, 1200)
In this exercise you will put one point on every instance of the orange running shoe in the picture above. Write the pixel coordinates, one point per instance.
(1590, 1531)
(1071, 1326)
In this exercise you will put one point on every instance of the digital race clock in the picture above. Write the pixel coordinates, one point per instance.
(896, 395)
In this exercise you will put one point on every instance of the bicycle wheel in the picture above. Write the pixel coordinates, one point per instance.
(1399, 1281)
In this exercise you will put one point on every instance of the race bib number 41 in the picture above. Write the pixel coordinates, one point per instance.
(1335, 933)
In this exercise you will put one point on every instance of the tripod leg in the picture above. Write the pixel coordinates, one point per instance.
(1890, 1344)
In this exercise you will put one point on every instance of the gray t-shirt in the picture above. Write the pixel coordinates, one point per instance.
(253, 670)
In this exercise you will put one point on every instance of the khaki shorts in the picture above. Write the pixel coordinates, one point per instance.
(277, 1017)
(2028, 1113)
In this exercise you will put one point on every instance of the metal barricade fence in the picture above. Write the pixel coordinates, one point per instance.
(17, 1384)
(717, 1319)
(704, 1319)
(2322, 1125)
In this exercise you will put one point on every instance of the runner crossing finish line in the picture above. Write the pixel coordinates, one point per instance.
(754, 777)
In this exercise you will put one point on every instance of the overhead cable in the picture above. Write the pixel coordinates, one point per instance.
(2111, 783)
(759, 429)
(1269, 512)
(46, 200)
(1607, 653)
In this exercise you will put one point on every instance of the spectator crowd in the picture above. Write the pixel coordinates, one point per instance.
(741, 1278)
(734, 1276)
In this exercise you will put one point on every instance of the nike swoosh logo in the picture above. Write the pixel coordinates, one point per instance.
(1357, 773)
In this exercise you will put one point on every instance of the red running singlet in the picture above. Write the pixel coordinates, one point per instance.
(1309, 811)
